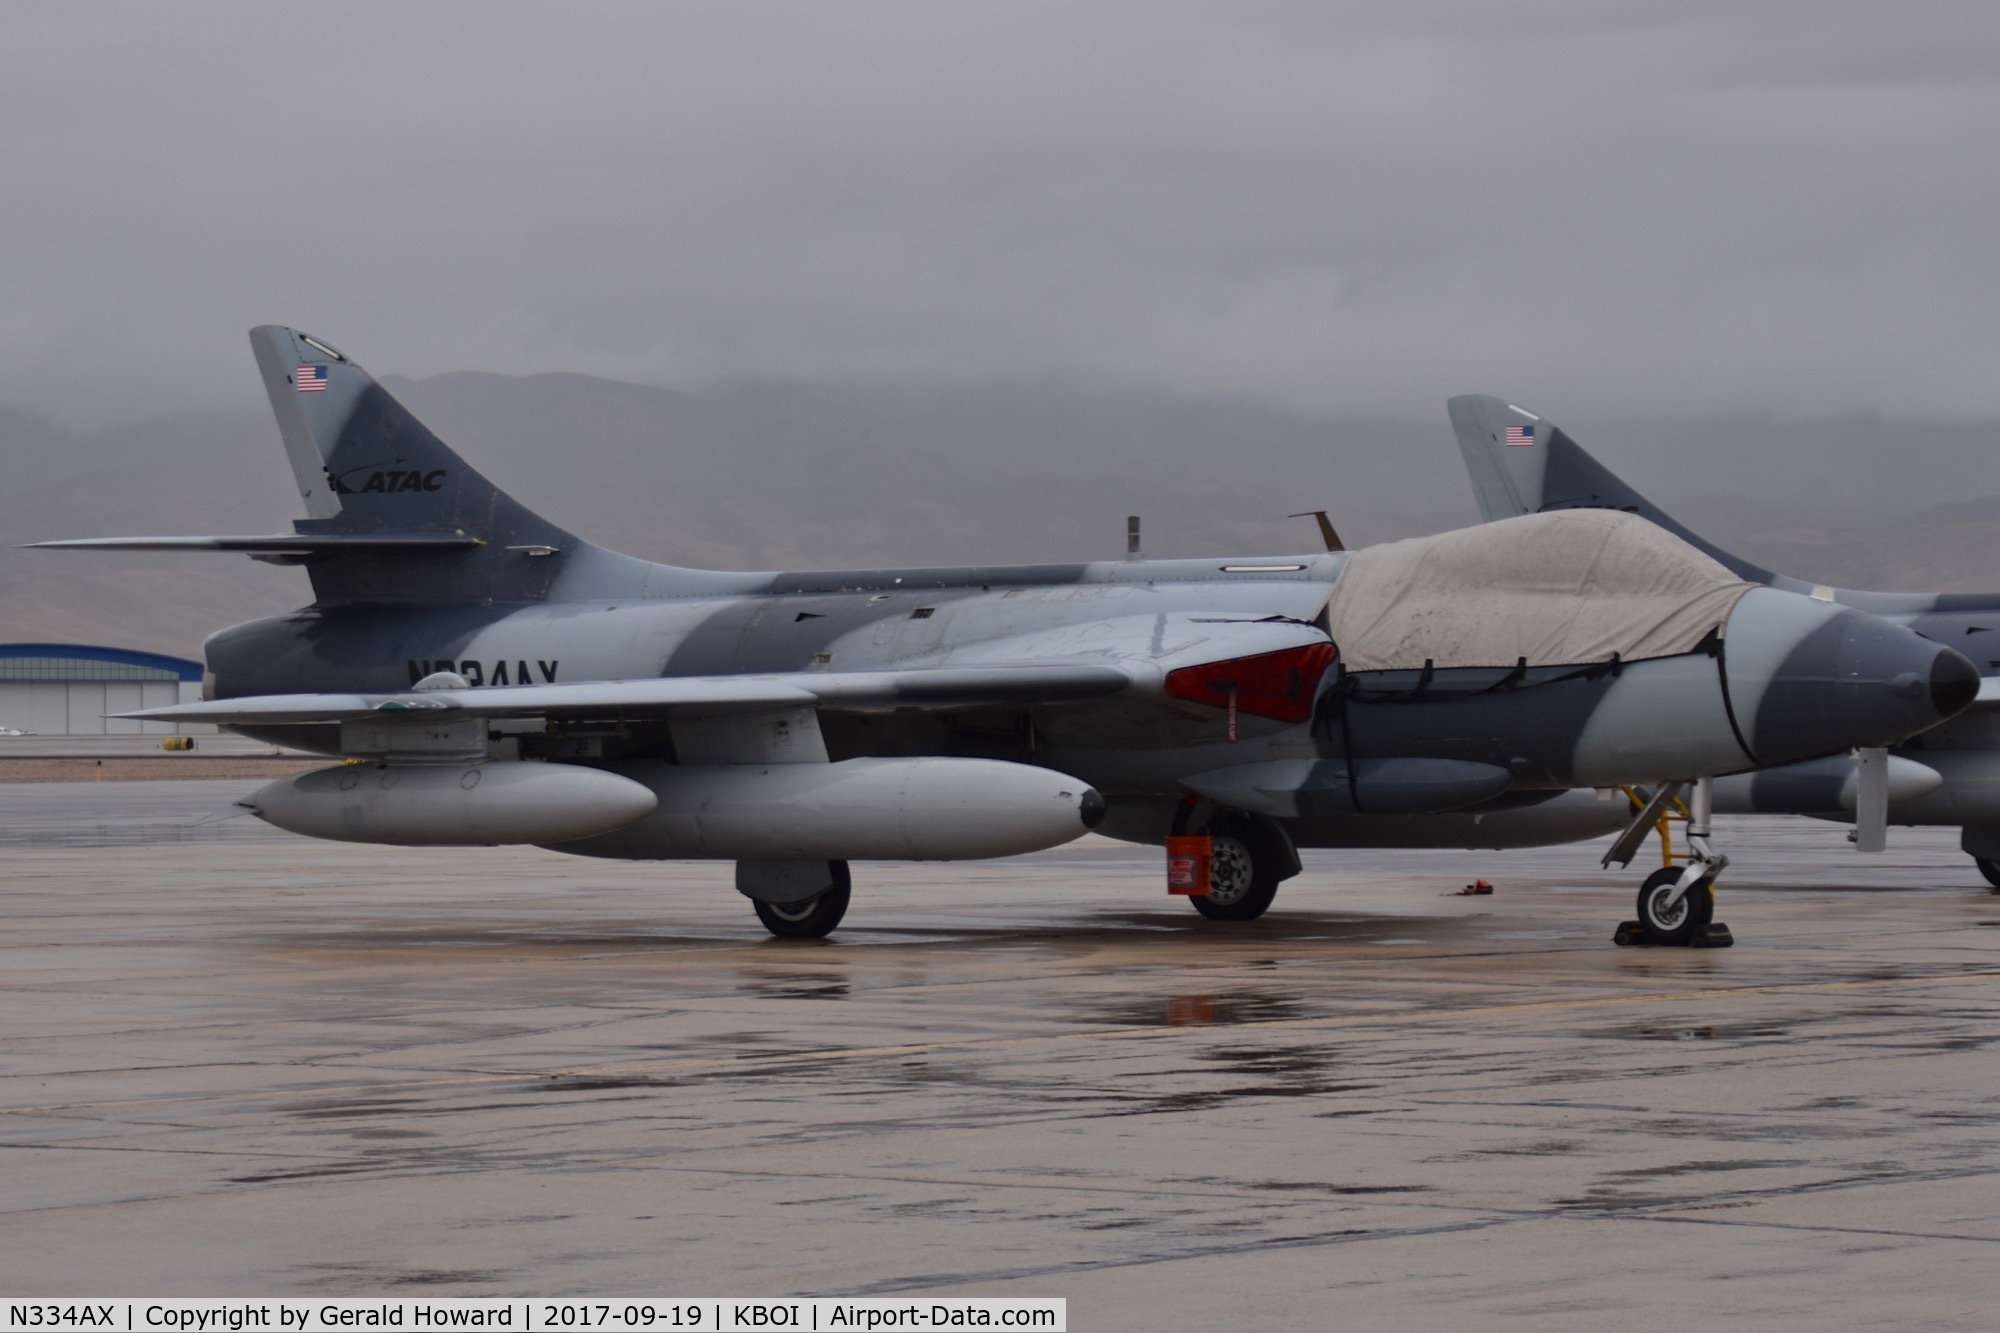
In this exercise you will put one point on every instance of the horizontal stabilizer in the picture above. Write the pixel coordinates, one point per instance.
(342, 543)
(682, 696)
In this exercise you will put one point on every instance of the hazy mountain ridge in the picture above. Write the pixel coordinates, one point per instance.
(785, 475)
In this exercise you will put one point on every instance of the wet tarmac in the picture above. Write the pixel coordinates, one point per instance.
(237, 1062)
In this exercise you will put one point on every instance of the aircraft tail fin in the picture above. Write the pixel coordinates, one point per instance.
(1522, 464)
(366, 467)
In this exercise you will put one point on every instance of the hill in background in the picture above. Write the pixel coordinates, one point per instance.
(764, 475)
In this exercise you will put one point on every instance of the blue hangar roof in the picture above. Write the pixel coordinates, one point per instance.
(85, 661)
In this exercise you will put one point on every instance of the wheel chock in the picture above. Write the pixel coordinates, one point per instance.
(1633, 935)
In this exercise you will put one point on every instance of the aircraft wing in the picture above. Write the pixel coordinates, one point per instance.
(678, 696)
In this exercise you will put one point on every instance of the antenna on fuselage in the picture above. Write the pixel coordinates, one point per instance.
(1326, 532)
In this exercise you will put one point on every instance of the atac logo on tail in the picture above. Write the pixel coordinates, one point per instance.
(384, 479)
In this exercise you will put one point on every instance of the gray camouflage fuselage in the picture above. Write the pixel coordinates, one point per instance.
(1549, 728)
(421, 567)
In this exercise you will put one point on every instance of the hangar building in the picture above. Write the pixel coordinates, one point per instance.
(68, 689)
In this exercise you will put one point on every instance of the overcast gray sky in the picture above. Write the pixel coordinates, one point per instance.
(1649, 207)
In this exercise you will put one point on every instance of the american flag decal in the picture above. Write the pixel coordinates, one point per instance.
(1517, 437)
(311, 379)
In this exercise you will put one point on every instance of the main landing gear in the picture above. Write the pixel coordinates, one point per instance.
(1981, 842)
(1251, 858)
(1677, 901)
(810, 918)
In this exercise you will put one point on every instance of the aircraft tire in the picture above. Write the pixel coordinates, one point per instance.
(1990, 869)
(1243, 874)
(1695, 909)
(813, 919)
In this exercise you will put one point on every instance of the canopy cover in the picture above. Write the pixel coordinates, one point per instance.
(1570, 587)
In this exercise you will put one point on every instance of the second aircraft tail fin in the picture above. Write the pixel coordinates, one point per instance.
(1522, 464)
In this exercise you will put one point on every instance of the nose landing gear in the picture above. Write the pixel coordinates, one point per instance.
(1677, 901)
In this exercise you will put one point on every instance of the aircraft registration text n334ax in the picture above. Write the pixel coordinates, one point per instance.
(500, 680)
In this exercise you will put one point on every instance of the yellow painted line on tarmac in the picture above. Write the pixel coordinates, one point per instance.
(1403, 1017)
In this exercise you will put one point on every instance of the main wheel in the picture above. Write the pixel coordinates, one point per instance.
(1990, 869)
(813, 919)
(1243, 876)
(1674, 924)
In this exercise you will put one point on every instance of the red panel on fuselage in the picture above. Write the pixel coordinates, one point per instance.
(1278, 685)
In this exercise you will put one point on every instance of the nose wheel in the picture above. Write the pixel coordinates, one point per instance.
(1677, 902)
(1670, 915)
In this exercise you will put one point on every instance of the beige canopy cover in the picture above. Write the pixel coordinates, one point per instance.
(1569, 587)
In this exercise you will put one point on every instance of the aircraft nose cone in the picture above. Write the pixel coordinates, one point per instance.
(1091, 808)
(1890, 683)
(1954, 683)
(1857, 680)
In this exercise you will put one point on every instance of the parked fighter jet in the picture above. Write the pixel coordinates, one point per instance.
(493, 679)
(1521, 464)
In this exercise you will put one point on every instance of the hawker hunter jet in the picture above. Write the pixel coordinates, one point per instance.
(490, 678)
(1521, 464)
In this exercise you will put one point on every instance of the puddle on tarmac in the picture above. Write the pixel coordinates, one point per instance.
(351, 1110)
(363, 1277)
(1677, 1032)
(1198, 1010)
(559, 1084)
(1276, 1071)
(1702, 1168)
(1318, 1187)
(1271, 1059)
(304, 1173)
(796, 987)
(1297, 1186)
(1541, 1148)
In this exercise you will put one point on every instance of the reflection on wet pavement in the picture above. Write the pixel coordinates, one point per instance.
(251, 1063)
